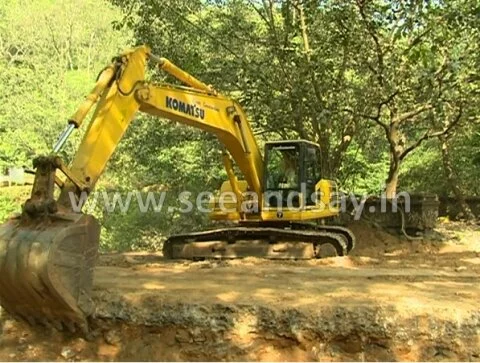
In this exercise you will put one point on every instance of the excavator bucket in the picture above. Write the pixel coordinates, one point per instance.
(46, 269)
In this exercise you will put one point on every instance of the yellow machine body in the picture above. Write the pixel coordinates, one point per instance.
(47, 254)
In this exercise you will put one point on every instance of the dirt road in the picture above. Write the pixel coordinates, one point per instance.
(393, 299)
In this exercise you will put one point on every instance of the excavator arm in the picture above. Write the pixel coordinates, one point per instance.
(122, 91)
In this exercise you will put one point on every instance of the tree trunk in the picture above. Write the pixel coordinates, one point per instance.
(392, 180)
(396, 149)
(453, 181)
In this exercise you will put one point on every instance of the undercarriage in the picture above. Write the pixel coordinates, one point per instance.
(300, 241)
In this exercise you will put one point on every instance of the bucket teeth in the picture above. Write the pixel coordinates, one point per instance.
(46, 269)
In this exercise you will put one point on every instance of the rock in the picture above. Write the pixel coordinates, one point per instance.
(67, 353)
(8, 326)
(203, 264)
(112, 337)
(269, 336)
(94, 333)
(183, 336)
(22, 340)
(79, 344)
(12, 356)
(445, 353)
(460, 268)
(90, 336)
(197, 335)
(351, 344)
(318, 351)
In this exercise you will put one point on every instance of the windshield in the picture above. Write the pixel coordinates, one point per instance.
(283, 167)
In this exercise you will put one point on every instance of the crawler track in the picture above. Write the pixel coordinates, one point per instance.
(299, 242)
(345, 232)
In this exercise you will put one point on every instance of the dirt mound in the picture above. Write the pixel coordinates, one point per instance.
(372, 241)
(375, 242)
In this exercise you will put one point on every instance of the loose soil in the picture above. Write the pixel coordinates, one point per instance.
(392, 299)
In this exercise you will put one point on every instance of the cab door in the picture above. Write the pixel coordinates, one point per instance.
(311, 171)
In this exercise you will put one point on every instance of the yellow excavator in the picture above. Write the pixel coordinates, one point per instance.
(48, 252)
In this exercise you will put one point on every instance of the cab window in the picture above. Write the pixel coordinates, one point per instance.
(283, 168)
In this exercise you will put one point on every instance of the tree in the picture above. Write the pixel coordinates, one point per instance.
(48, 61)
(417, 60)
(274, 57)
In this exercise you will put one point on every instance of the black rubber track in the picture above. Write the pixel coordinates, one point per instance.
(317, 237)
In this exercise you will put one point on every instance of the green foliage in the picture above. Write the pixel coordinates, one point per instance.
(11, 199)
(7, 207)
(362, 173)
(423, 171)
(49, 59)
(156, 152)
(136, 230)
(466, 159)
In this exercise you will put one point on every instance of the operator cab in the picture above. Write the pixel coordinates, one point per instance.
(291, 168)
